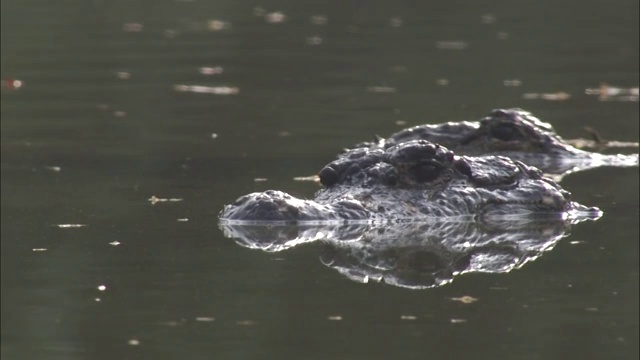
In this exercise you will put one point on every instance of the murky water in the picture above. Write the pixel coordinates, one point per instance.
(109, 107)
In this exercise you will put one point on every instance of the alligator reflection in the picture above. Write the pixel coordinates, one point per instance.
(412, 255)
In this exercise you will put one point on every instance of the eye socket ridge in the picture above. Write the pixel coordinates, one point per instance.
(426, 171)
(507, 132)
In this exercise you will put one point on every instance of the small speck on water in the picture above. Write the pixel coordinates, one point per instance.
(401, 122)
(115, 243)
(154, 200)
(214, 135)
(334, 317)
(314, 178)
(123, 75)
(38, 249)
(133, 342)
(512, 82)
(465, 299)
(102, 287)
(53, 168)
(576, 242)
(182, 220)
(592, 309)
(205, 319)
(458, 321)
(70, 226)
(442, 82)
(381, 89)
(245, 322)
(408, 317)
(260, 179)
(97, 299)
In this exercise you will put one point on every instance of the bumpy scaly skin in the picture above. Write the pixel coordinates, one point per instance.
(514, 133)
(408, 181)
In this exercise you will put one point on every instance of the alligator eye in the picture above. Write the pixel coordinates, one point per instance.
(426, 172)
(506, 132)
(328, 176)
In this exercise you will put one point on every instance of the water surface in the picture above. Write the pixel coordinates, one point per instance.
(107, 104)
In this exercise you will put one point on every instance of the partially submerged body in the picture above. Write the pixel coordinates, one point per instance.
(517, 134)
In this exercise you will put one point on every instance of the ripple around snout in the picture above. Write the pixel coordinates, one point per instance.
(414, 255)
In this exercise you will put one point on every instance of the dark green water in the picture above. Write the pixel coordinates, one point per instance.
(101, 124)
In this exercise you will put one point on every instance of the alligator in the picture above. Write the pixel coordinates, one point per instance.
(517, 134)
(410, 181)
(414, 255)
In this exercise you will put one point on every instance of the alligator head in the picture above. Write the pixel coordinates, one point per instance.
(414, 180)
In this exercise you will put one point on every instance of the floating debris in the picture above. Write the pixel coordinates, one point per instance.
(69, 226)
(101, 288)
(458, 321)
(334, 317)
(313, 178)
(611, 93)
(276, 17)
(452, 45)
(217, 25)
(132, 27)
(215, 90)
(53, 168)
(576, 242)
(260, 179)
(215, 70)
(97, 299)
(399, 69)
(488, 19)
(396, 21)
(115, 243)
(314, 40)
(381, 89)
(465, 299)
(38, 249)
(512, 82)
(245, 322)
(12, 84)
(214, 135)
(154, 200)
(559, 96)
(408, 317)
(601, 144)
(182, 220)
(123, 75)
(205, 319)
(133, 342)
(170, 33)
(119, 113)
(319, 20)
(401, 122)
